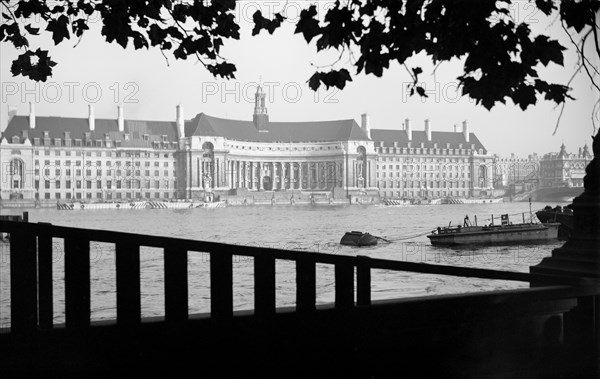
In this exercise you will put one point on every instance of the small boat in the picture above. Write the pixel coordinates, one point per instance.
(562, 215)
(505, 233)
(355, 238)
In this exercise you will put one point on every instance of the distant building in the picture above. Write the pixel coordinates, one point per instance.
(427, 164)
(89, 159)
(516, 171)
(56, 158)
(53, 159)
(564, 169)
(259, 155)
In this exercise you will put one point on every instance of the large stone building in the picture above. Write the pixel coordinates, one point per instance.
(515, 170)
(564, 169)
(427, 164)
(51, 159)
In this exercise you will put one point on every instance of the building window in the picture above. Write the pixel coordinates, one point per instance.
(57, 184)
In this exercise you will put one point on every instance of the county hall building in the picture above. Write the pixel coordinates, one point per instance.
(50, 159)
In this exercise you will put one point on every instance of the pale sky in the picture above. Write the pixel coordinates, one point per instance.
(149, 88)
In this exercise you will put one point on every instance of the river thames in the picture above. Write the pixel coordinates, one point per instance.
(308, 228)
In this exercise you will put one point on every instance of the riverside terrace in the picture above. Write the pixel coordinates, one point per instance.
(548, 330)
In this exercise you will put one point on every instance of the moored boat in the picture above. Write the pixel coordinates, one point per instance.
(505, 233)
(562, 215)
(355, 238)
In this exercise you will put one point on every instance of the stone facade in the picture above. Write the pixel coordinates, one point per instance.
(52, 159)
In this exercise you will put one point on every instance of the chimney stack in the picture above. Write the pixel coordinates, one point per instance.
(466, 130)
(179, 121)
(455, 128)
(407, 128)
(428, 130)
(12, 112)
(91, 118)
(31, 115)
(120, 119)
(365, 124)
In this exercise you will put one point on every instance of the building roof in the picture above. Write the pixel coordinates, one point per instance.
(455, 139)
(78, 127)
(311, 131)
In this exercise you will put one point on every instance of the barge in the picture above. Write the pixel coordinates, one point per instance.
(505, 233)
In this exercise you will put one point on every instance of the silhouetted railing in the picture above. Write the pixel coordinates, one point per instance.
(31, 275)
(549, 330)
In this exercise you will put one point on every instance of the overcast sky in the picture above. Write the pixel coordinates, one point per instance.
(150, 88)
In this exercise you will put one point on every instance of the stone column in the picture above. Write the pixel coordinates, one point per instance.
(318, 175)
(260, 167)
(250, 175)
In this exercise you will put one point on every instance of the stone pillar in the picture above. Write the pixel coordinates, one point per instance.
(579, 257)
(240, 172)
(318, 172)
(200, 163)
(260, 167)
(301, 176)
(284, 174)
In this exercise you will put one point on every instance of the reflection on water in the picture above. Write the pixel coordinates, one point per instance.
(302, 228)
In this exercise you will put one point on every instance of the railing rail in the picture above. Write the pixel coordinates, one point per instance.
(31, 275)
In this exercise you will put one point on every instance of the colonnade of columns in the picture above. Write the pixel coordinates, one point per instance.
(280, 175)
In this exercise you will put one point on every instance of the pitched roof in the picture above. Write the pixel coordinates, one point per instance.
(77, 127)
(389, 136)
(312, 131)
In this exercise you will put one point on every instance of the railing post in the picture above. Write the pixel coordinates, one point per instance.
(128, 283)
(176, 284)
(264, 285)
(363, 281)
(46, 310)
(344, 285)
(221, 285)
(77, 282)
(305, 284)
(23, 281)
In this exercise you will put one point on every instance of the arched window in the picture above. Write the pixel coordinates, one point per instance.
(482, 176)
(16, 169)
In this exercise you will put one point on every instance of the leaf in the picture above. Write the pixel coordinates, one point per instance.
(548, 50)
(307, 24)
(315, 81)
(546, 6)
(421, 91)
(58, 28)
(39, 71)
(524, 96)
(578, 15)
(261, 22)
